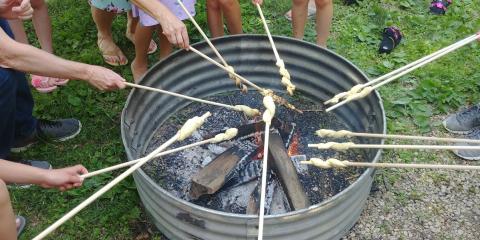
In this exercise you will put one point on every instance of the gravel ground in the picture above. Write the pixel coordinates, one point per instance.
(422, 204)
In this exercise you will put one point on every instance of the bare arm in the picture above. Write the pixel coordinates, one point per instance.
(63, 179)
(29, 59)
(173, 28)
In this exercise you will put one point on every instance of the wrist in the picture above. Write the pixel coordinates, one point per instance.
(43, 177)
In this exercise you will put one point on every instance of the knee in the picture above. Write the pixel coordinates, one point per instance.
(36, 4)
(299, 2)
(228, 4)
(323, 3)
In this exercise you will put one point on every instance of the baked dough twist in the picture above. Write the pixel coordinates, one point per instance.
(191, 125)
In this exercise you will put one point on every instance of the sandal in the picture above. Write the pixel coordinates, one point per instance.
(43, 84)
(115, 60)
(391, 38)
(439, 7)
(21, 222)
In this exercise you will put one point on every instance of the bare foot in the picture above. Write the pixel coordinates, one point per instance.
(138, 70)
(111, 53)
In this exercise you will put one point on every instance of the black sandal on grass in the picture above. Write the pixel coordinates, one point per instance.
(391, 38)
(22, 222)
(439, 7)
(351, 2)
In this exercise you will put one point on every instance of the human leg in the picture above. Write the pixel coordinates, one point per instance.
(7, 111)
(215, 18)
(8, 229)
(323, 20)
(299, 17)
(143, 36)
(233, 18)
(42, 24)
(110, 51)
(166, 47)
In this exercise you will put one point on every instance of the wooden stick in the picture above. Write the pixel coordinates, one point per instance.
(133, 85)
(244, 80)
(229, 134)
(350, 145)
(351, 96)
(334, 163)
(267, 30)
(359, 87)
(267, 118)
(345, 133)
(185, 131)
(240, 108)
(215, 50)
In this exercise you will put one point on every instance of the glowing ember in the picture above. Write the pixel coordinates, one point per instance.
(293, 148)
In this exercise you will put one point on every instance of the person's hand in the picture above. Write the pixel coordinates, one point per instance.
(16, 9)
(104, 79)
(259, 2)
(64, 178)
(175, 30)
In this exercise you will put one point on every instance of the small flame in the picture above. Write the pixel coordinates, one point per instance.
(293, 148)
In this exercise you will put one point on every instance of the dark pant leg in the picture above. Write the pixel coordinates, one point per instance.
(24, 121)
(8, 92)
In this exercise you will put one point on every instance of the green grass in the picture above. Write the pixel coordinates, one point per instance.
(410, 102)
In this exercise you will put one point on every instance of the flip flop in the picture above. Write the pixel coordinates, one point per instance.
(114, 60)
(22, 222)
(311, 13)
(43, 84)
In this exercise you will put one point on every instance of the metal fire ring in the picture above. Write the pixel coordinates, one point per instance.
(318, 74)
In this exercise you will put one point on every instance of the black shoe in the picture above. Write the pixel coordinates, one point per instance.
(56, 131)
(463, 121)
(439, 7)
(469, 154)
(391, 38)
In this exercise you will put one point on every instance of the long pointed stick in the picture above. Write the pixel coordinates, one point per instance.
(241, 108)
(262, 91)
(360, 91)
(345, 133)
(267, 118)
(227, 135)
(280, 63)
(215, 50)
(350, 145)
(335, 163)
(188, 128)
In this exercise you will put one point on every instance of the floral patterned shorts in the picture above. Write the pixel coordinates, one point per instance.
(115, 6)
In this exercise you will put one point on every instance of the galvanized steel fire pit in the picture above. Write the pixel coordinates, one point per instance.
(318, 74)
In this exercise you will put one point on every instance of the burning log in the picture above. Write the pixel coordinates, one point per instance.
(254, 201)
(213, 176)
(287, 173)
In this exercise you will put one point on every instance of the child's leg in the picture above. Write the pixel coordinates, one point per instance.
(143, 36)
(132, 23)
(324, 20)
(18, 31)
(42, 24)
(215, 18)
(8, 228)
(299, 17)
(166, 47)
(233, 16)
